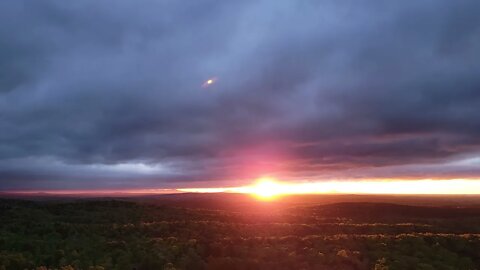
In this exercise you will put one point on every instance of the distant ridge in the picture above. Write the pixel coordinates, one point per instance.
(376, 210)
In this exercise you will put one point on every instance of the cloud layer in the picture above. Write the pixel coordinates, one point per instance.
(109, 94)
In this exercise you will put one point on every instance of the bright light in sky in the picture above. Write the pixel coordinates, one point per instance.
(266, 188)
(209, 82)
(270, 188)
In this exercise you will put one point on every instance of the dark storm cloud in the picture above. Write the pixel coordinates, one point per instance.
(108, 94)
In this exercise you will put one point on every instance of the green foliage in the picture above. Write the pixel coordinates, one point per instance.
(98, 235)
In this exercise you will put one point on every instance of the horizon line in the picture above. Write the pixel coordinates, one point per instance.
(370, 187)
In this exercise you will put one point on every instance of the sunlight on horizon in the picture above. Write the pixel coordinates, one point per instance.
(266, 188)
(269, 188)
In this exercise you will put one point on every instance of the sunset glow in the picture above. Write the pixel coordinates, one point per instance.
(269, 188)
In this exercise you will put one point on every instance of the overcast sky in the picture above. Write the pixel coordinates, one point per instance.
(108, 94)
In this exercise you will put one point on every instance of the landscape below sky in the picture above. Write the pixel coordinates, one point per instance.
(237, 231)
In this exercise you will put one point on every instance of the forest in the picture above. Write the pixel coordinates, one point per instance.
(125, 234)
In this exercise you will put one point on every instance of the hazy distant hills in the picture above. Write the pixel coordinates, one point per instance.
(368, 206)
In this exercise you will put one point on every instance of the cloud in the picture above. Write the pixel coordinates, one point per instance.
(305, 90)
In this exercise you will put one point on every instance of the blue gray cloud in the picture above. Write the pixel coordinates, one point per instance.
(103, 94)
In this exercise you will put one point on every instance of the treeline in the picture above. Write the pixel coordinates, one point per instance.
(127, 235)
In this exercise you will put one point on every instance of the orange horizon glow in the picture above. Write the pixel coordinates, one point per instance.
(270, 188)
(266, 189)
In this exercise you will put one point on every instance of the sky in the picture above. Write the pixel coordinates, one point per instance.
(114, 94)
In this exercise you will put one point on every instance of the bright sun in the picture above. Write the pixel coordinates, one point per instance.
(266, 188)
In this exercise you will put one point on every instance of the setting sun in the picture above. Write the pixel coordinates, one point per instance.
(266, 188)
